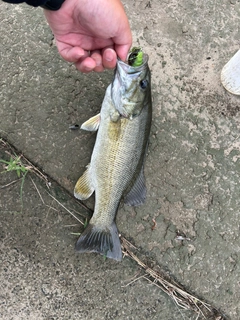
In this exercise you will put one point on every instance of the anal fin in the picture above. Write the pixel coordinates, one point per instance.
(84, 188)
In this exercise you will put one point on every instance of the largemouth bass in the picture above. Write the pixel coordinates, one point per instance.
(116, 167)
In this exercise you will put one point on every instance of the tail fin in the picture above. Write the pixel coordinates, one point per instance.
(104, 241)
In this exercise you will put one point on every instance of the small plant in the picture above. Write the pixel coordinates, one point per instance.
(15, 164)
(84, 227)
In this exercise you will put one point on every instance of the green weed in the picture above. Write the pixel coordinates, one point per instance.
(84, 227)
(85, 223)
(75, 233)
(15, 164)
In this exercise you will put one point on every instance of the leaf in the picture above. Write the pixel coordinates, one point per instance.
(18, 173)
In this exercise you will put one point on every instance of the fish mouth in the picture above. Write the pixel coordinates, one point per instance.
(132, 70)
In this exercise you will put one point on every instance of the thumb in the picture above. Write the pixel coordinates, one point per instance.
(123, 42)
(122, 50)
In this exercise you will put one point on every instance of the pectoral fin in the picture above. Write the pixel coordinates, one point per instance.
(91, 124)
(84, 188)
(137, 194)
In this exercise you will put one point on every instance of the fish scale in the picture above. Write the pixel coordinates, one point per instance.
(116, 167)
(121, 157)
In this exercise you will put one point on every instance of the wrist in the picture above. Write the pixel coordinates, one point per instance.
(53, 5)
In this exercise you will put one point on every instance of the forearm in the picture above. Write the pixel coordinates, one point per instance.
(47, 4)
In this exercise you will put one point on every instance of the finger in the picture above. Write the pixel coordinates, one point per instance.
(86, 65)
(99, 68)
(97, 57)
(109, 59)
(69, 53)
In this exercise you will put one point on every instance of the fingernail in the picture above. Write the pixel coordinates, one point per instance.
(109, 56)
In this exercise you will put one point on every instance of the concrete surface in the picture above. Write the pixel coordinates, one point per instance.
(192, 168)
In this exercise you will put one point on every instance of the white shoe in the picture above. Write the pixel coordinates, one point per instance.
(230, 75)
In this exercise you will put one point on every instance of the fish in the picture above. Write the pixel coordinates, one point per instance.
(116, 169)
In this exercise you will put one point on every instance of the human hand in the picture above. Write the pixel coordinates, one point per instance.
(91, 33)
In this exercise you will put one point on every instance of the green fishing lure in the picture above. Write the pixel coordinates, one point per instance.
(135, 58)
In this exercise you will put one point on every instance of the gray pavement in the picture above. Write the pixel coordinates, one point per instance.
(192, 168)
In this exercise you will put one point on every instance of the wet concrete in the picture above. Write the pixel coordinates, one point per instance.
(192, 168)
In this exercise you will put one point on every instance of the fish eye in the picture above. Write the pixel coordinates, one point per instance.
(143, 84)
